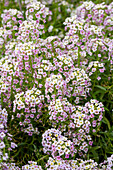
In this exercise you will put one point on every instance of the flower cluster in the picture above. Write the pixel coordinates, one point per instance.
(79, 83)
(4, 35)
(30, 103)
(59, 110)
(5, 138)
(3, 125)
(77, 164)
(107, 164)
(80, 121)
(11, 18)
(94, 112)
(95, 66)
(28, 29)
(31, 165)
(56, 163)
(38, 12)
(87, 30)
(56, 144)
(24, 49)
(47, 136)
(75, 84)
(54, 84)
(99, 14)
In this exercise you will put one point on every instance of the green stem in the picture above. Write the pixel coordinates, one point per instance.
(20, 5)
(42, 158)
(2, 100)
(94, 82)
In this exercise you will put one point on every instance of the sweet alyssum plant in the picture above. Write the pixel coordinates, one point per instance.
(51, 114)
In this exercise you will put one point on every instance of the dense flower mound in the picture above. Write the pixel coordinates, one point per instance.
(56, 86)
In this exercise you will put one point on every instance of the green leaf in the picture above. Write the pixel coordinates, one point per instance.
(96, 147)
(23, 143)
(95, 155)
(107, 122)
(100, 87)
(106, 109)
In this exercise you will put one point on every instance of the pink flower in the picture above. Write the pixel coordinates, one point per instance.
(90, 143)
(67, 156)
(32, 115)
(94, 130)
(98, 78)
(93, 69)
(101, 70)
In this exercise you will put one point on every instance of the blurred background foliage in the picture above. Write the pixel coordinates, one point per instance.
(7, 4)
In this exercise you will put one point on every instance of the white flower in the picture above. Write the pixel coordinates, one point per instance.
(37, 100)
(68, 143)
(19, 102)
(50, 28)
(2, 134)
(38, 92)
(59, 147)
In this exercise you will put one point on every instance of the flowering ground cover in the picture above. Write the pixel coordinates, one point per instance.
(56, 85)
